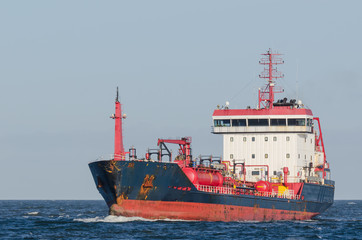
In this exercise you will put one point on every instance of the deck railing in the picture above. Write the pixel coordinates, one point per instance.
(287, 194)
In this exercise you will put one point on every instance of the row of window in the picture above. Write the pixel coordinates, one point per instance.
(263, 122)
(265, 139)
(267, 156)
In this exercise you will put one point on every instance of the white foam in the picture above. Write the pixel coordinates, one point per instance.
(33, 213)
(248, 221)
(120, 219)
(308, 221)
(111, 219)
(351, 203)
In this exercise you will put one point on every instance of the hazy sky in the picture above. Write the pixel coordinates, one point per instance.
(174, 61)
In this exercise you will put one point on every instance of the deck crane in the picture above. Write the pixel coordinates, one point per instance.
(184, 149)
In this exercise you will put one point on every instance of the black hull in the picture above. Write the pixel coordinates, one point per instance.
(125, 183)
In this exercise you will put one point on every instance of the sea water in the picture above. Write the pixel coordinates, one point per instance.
(90, 220)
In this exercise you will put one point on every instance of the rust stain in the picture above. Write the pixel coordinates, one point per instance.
(148, 181)
(111, 167)
(146, 186)
(256, 208)
(226, 212)
(99, 182)
(120, 199)
(131, 165)
(305, 210)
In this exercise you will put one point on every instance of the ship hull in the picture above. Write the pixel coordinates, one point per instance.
(156, 190)
(203, 211)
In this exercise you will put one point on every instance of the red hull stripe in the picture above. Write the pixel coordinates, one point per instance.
(272, 111)
(202, 211)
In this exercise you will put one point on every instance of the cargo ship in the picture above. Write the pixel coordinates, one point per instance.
(273, 166)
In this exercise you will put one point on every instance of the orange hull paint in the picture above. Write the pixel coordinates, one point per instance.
(202, 211)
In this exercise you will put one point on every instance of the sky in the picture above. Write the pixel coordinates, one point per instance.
(174, 62)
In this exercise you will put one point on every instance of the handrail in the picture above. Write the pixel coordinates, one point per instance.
(288, 194)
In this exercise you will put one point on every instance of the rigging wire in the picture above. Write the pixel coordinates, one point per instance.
(243, 88)
(290, 89)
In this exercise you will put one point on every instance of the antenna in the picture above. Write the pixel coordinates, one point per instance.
(117, 96)
(296, 81)
(266, 95)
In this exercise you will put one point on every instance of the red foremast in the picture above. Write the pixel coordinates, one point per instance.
(119, 153)
(266, 95)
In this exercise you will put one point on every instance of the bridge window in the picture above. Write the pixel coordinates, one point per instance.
(222, 123)
(254, 173)
(278, 122)
(239, 122)
(258, 122)
(309, 122)
(296, 122)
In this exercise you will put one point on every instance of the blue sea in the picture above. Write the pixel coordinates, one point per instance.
(90, 220)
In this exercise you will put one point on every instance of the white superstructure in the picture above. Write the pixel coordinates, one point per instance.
(267, 140)
(275, 139)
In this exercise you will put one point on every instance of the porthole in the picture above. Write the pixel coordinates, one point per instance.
(244, 139)
(288, 155)
(266, 155)
(288, 138)
(231, 156)
(253, 155)
(231, 139)
(253, 139)
(266, 139)
(274, 139)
